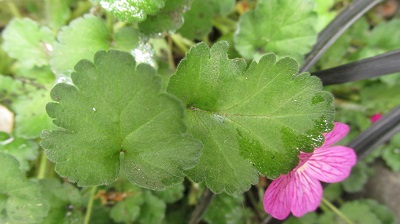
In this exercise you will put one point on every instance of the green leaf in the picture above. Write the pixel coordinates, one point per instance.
(171, 194)
(226, 209)
(381, 211)
(333, 191)
(27, 42)
(22, 150)
(132, 10)
(65, 202)
(153, 209)
(115, 119)
(325, 13)
(79, 40)
(168, 19)
(309, 218)
(20, 199)
(198, 20)
(263, 113)
(57, 13)
(391, 153)
(127, 210)
(126, 39)
(31, 118)
(357, 179)
(285, 27)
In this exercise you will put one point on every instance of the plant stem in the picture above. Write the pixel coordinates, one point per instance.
(90, 205)
(201, 207)
(337, 211)
(42, 166)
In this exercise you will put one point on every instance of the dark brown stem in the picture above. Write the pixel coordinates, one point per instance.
(202, 206)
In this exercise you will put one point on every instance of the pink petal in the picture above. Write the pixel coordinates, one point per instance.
(339, 131)
(277, 198)
(332, 164)
(306, 193)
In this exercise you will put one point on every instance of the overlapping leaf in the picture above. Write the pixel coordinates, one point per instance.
(132, 10)
(27, 42)
(285, 27)
(85, 36)
(261, 113)
(22, 150)
(116, 120)
(20, 199)
(169, 18)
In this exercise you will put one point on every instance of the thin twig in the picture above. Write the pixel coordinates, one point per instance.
(202, 206)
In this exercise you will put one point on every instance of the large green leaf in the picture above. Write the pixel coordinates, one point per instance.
(115, 119)
(285, 27)
(27, 42)
(20, 199)
(132, 10)
(262, 113)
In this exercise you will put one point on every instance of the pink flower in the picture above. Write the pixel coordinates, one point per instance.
(300, 191)
(375, 117)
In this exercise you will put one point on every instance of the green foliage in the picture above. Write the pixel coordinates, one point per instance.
(309, 218)
(169, 18)
(57, 13)
(288, 28)
(132, 10)
(226, 209)
(357, 179)
(79, 40)
(103, 131)
(31, 117)
(153, 209)
(22, 150)
(171, 194)
(391, 153)
(333, 191)
(30, 50)
(241, 114)
(20, 199)
(198, 20)
(65, 202)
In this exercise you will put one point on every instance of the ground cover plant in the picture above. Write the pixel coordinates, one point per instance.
(197, 111)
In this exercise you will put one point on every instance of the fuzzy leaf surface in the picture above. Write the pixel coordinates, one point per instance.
(20, 199)
(285, 27)
(115, 119)
(132, 10)
(262, 114)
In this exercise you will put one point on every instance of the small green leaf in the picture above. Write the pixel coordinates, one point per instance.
(153, 209)
(126, 39)
(263, 113)
(57, 13)
(309, 218)
(115, 119)
(127, 210)
(31, 117)
(27, 42)
(168, 19)
(333, 191)
(381, 211)
(79, 40)
(285, 27)
(65, 202)
(391, 153)
(132, 10)
(226, 209)
(171, 194)
(22, 150)
(198, 19)
(21, 201)
(357, 179)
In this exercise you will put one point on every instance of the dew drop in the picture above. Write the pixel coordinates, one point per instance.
(94, 109)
